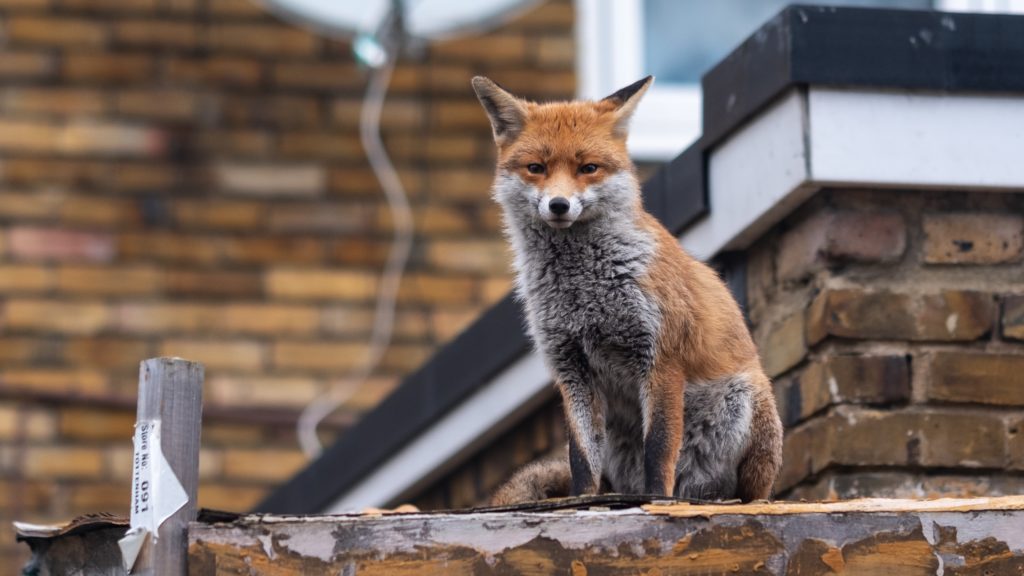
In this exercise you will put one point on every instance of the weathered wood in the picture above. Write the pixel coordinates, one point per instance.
(860, 537)
(171, 393)
(86, 545)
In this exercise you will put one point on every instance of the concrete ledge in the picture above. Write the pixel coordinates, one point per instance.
(877, 536)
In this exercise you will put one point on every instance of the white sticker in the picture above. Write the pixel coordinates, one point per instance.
(156, 492)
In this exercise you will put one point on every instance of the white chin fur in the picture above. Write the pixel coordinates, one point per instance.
(560, 224)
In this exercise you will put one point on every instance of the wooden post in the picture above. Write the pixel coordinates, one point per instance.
(171, 393)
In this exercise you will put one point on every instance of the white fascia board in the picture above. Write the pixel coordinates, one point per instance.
(751, 178)
(895, 139)
(758, 175)
(515, 391)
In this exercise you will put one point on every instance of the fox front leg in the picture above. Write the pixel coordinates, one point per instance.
(663, 430)
(584, 417)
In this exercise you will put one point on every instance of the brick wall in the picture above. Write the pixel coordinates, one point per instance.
(185, 177)
(890, 322)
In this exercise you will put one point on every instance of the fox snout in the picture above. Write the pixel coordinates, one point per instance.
(559, 211)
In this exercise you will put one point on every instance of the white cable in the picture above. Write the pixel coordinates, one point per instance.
(401, 217)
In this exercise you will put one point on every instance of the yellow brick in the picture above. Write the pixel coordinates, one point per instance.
(272, 40)
(21, 64)
(111, 5)
(23, 350)
(495, 289)
(215, 70)
(261, 391)
(157, 33)
(55, 31)
(217, 354)
(263, 180)
(327, 145)
(99, 211)
(116, 354)
(271, 249)
(404, 358)
(240, 143)
(319, 355)
(557, 51)
(199, 283)
(107, 67)
(233, 434)
(317, 75)
(320, 284)
(24, 3)
(15, 278)
(236, 8)
(118, 461)
(475, 255)
(69, 101)
(230, 497)
(80, 137)
(93, 424)
(22, 422)
(447, 323)
(370, 393)
(169, 247)
(108, 281)
(90, 498)
(56, 316)
(269, 319)
(63, 462)
(398, 114)
(234, 318)
(490, 48)
(426, 289)
(271, 465)
(460, 184)
(224, 215)
(158, 104)
(211, 463)
(163, 318)
(54, 382)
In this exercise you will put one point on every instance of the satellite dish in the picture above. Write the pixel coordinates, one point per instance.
(421, 19)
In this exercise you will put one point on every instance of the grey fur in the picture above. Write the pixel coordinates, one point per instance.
(597, 330)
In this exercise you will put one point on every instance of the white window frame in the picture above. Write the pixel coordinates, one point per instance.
(609, 37)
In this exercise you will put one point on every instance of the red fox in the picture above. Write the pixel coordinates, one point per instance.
(662, 386)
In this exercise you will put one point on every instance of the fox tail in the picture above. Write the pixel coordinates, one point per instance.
(547, 478)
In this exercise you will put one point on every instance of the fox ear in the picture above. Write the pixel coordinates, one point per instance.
(624, 102)
(507, 113)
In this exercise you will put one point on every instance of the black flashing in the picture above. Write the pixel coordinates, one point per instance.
(802, 45)
(863, 48)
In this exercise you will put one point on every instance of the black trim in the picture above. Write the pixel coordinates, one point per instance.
(802, 45)
(867, 48)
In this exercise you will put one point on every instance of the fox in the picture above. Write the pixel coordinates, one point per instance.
(661, 383)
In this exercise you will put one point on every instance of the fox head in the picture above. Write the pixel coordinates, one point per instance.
(563, 162)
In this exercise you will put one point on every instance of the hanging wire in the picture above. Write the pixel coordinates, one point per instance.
(398, 256)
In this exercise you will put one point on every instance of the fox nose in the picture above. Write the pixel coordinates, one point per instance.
(558, 206)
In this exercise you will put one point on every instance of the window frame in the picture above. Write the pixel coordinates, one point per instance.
(609, 36)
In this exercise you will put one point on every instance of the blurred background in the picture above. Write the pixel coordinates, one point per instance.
(185, 177)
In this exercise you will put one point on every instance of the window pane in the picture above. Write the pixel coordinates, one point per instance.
(683, 38)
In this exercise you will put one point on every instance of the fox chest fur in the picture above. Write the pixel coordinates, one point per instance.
(582, 294)
(590, 316)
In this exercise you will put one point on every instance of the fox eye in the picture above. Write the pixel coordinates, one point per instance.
(535, 168)
(588, 168)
